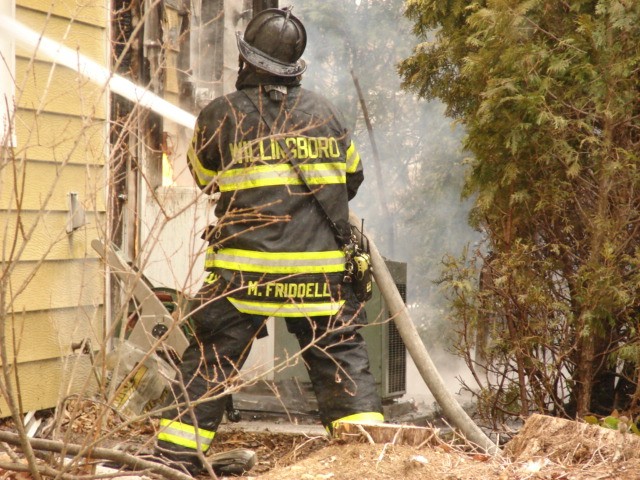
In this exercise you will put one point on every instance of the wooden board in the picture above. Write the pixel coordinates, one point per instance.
(387, 433)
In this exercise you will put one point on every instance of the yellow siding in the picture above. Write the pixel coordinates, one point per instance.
(45, 185)
(51, 285)
(60, 138)
(55, 293)
(68, 93)
(44, 383)
(49, 239)
(94, 12)
(88, 39)
(57, 331)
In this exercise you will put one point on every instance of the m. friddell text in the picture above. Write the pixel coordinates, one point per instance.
(288, 290)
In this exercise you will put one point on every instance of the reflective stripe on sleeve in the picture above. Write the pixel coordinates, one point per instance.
(184, 435)
(281, 174)
(202, 175)
(324, 173)
(278, 309)
(331, 261)
(353, 158)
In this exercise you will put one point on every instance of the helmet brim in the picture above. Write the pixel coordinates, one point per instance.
(269, 64)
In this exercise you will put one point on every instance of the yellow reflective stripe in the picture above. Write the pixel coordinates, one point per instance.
(258, 176)
(287, 309)
(331, 261)
(324, 173)
(203, 175)
(211, 278)
(185, 435)
(281, 174)
(353, 158)
(364, 417)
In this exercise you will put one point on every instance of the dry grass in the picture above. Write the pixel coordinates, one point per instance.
(545, 448)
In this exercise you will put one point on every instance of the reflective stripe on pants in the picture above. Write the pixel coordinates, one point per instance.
(184, 435)
(332, 349)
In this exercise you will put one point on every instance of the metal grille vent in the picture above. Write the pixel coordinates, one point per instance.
(397, 354)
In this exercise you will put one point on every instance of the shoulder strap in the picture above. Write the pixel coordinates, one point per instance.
(340, 236)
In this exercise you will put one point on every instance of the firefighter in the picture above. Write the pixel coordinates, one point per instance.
(274, 250)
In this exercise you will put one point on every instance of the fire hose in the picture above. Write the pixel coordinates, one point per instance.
(416, 348)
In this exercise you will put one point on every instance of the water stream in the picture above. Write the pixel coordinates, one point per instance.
(93, 71)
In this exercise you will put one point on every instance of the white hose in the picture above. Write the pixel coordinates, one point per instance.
(93, 71)
(416, 348)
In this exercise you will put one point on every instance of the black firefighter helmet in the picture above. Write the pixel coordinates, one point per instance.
(274, 41)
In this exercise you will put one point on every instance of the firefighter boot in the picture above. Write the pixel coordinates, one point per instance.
(233, 462)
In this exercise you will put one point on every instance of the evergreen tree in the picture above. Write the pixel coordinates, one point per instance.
(548, 94)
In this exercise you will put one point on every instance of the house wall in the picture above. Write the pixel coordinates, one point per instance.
(52, 282)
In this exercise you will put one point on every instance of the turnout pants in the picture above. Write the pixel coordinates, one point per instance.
(333, 351)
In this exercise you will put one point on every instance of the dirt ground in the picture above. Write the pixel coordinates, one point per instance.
(545, 449)
(315, 459)
(364, 462)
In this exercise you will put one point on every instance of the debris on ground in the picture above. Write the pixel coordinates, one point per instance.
(545, 448)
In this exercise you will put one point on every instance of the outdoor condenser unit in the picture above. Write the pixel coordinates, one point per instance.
(387, 352)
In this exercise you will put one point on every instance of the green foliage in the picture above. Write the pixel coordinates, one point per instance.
(547, 93)
(614, 422)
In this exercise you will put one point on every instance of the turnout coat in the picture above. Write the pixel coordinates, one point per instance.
(273, 243)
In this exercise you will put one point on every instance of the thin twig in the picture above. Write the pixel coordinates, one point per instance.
(122, 458)
(52, 472)
(397, 434)
(7, 449)
(366, 434)
(381, 456)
